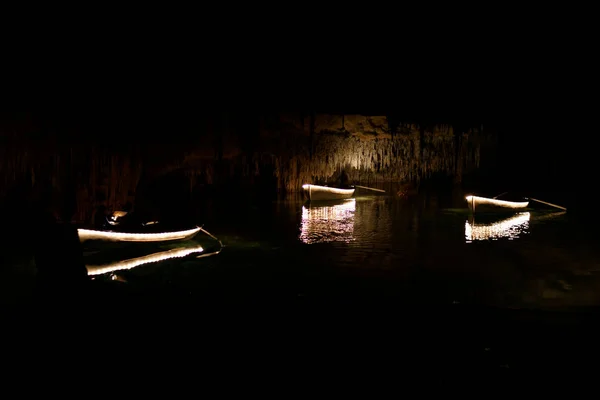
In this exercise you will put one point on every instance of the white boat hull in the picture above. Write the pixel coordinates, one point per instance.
(89, 234)
(484, 204)
(323, 193)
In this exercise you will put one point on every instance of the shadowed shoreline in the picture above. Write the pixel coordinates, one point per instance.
(61, 273)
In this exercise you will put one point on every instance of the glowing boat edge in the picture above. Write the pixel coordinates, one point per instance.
(477, 203)
(316, 192)
(90, 234)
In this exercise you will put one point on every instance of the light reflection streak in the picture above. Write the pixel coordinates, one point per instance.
(551, 216)
(509, 228)
(136, 262)
(328, 223)
(88, 234)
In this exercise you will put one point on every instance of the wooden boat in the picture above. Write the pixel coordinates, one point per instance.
(112, 236)
(324, 193)
(484, 204)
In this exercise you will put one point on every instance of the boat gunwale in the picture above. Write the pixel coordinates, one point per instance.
(140, 237)
(494, 202)
(333, 190)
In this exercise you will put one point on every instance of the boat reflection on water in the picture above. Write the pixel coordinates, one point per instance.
(98, 269)
(551, 216)
(509, 228)
(328, 222)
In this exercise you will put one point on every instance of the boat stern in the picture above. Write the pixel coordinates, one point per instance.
(306, 188)
(470, 202)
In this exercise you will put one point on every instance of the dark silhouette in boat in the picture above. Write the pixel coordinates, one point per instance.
(343, 182)
(341, 189)
(132, 222)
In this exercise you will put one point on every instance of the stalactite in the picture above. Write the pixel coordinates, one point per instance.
(407, 157)
(109, 177)
(67, 170)
(312, 133)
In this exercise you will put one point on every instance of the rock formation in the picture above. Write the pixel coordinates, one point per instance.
(281, 151)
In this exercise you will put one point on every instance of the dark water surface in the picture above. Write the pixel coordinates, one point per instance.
(518, 291)
(425, 249)
(420, 250)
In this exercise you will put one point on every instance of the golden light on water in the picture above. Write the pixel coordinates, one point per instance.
(88, 234)
(510, 228)
(136, 262)
(328, 223)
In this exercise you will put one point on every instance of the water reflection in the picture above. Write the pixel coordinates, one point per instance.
(136, 262)
(509, 228)
(551, 216)
(333, 222)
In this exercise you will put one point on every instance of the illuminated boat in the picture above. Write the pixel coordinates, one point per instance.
(144, 237)
(324, 193)
(484, 204)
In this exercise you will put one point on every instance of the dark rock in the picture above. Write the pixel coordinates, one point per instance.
(61, 272)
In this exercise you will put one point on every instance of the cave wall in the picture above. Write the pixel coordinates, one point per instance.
(72, 179)
(67, 168)
(277, 151)
(298, 149)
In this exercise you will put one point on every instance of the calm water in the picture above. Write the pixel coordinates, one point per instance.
(421, 250)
